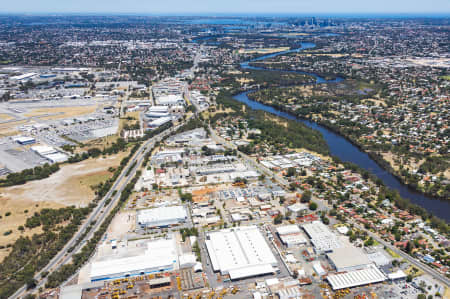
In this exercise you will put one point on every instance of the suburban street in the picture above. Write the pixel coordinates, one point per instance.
(324, 206)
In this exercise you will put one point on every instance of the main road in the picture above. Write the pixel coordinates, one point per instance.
(425, 268)
(101, 211)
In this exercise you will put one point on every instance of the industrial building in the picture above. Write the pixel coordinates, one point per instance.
(356, 278)
(160, 255)
(156, 123)
(240, 252)
(49, 153)
(157, 112)
(24, 140)
(291, 235)
(170, 100)
(161, 217)
(348, 258)
(321, 237)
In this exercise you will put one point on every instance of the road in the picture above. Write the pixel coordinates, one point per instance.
(99, 214)
(425, 268)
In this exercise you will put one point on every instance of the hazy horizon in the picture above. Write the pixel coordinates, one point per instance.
(230, 7)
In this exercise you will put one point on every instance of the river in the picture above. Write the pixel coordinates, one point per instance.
(345, 150)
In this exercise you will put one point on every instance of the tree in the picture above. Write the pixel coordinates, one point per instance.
(409, 247)
(291, 171)
(278, 219)
(306, 196)
(421, 296)
(31, 283)
(313, 206)
(369, 242)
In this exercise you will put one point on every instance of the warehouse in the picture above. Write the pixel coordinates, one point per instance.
(160, 255)
(43, 150)
(356, 278)
(241, 252)
(49, 153)
(23, 140)
(290, 235)
(321, 237)
(170, 100)
(157, 111)
(348, 259)
(161, 217)
(159, 282)
(159, 122)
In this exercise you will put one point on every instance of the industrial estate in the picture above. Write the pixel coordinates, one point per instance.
(182, 157)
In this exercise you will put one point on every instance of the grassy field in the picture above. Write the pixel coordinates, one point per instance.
(9, 129)
(20, 209)
(123, 120)
(264, 50)
(446, 77)
(410, 271)
(62, 112)
(71, 185)
(5, 116)
(393, 254)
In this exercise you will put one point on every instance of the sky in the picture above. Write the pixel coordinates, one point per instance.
(189, 7)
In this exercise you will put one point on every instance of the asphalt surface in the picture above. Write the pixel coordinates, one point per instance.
(99, 214)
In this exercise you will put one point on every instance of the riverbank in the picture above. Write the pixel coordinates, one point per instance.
(347, 151)
(376, 156)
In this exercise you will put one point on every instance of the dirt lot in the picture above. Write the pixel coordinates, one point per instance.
(71, 185)
(62, 112)
(122, 223)
(9, 128)
(5, 116)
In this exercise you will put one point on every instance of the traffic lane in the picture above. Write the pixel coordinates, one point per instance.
(140, 155)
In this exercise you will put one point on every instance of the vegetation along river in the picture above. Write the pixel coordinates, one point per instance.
(345, 150)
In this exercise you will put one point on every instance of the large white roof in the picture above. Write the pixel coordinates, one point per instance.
(250, 271)
(288, 229)
(240, 252)
(348, 256)
(160, 254)
(321, 237)
(43, 149)
(356, 278)
(162, 215)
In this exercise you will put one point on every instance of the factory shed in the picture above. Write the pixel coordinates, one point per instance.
(159, 282)
(251, 271)
(161, 217)
(397, 275)
(288, 229)
(321, 237)
(23, 140)
(159, 122)
(160, 255)
(356, 278)
(240, 252)
(291, 235)
(348, 259)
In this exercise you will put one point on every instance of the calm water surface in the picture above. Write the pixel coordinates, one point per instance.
(345, 150)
